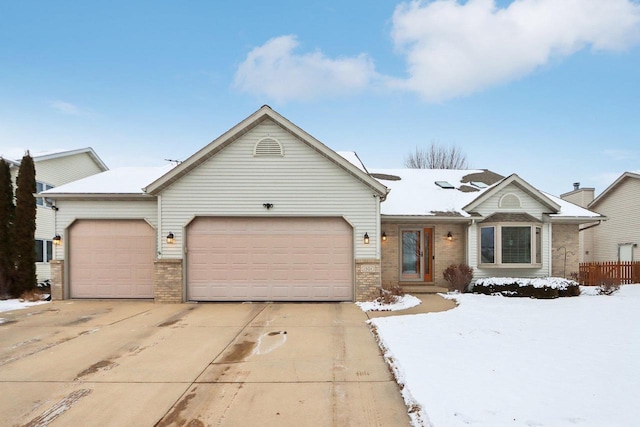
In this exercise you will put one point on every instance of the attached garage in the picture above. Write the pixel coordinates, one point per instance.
(111, 259)
(269, 259)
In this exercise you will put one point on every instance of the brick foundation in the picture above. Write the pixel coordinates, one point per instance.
(168, 280)
(57, 279)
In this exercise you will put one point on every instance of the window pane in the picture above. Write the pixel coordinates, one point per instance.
(39, 187)
(516, 245)
(538, 245)
(39, 251)
(487, 245)
(49, 250)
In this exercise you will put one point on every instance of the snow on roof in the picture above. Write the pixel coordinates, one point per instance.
(568, 209)
(353, 158)
(126, 180)
(416, 192)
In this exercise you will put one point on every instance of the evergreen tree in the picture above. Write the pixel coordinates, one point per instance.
(24, 228)
(7, 211)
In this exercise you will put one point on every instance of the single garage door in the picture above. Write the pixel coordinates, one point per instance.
(111, 259)
(269, 259)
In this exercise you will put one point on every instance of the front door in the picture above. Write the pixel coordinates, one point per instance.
(416, 255)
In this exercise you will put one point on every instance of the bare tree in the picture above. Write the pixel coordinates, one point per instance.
(437, 156)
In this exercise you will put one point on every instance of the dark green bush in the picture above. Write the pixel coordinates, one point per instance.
(530, 288)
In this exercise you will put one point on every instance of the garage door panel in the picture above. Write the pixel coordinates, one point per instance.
(270, 259)
(111, 259)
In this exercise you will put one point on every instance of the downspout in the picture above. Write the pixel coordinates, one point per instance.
(378, 227)
(159, 228)
(550, 249)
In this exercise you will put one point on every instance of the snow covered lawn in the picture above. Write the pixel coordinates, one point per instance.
(496, 361)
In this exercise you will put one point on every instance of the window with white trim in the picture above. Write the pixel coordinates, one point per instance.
(510, 245)
(44, 250)
(43, 201)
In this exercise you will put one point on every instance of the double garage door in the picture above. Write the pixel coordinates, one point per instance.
(227, 259)
(269, 259)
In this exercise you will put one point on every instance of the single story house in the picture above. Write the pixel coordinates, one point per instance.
(266, 212)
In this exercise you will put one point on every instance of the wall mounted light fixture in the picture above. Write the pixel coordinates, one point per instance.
(170, 238)
(384, 236)
(57, 240)
(449, 236)
(366, 238)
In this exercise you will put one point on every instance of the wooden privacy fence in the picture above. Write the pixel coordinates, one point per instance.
(614, 272)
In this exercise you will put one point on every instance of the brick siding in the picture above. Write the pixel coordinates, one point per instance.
(168, 280)
(565, 240)
(367, 279)
(57, 279)
(445, 252)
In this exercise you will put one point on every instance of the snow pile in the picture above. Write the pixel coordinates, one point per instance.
(401, 303)
(519, 362)
(17, 304)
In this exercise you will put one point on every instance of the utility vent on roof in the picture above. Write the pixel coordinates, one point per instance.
(268, 146)
(444, 184)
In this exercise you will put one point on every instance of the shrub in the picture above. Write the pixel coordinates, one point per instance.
(458, 277)
(547, 288)
(608, 286)
(391, 295)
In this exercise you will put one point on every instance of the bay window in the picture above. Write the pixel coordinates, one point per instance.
(515, 245)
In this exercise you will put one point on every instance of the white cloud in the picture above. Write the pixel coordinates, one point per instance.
(67, 108)
(455, 49)
(276, 71)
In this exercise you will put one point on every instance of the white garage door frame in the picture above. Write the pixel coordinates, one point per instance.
(67, 250)
(185, 233)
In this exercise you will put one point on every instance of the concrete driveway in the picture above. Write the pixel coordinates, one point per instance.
(138, 363)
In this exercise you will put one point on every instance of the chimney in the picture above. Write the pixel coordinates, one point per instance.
(576, 185)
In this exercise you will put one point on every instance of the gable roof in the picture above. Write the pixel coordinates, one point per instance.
(265, 112)
(414, 192)
(49, 155)
(616, 183)
(553, 206)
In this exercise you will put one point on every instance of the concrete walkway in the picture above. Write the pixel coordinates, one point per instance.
(115, 363)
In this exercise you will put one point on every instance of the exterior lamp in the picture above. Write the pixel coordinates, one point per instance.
(449, 236)
(170, 238)
(57, 240)
(384, 236)
(366, 238)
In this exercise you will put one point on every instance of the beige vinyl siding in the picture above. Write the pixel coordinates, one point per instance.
(621, 206)
(66, 169)
(44, 223)
(528, 205)
(71, 210)
(303, 182)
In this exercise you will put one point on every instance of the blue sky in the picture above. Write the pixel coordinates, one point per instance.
(547, 89)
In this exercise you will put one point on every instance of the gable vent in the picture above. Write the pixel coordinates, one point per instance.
(510, 201)
(268, 147)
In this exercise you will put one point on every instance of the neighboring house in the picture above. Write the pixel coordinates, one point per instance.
(54, 169)
(267, 212)
(617, 238)
(501, 227)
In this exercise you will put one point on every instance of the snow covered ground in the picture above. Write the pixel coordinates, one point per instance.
(497, 361)
(403, 302)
